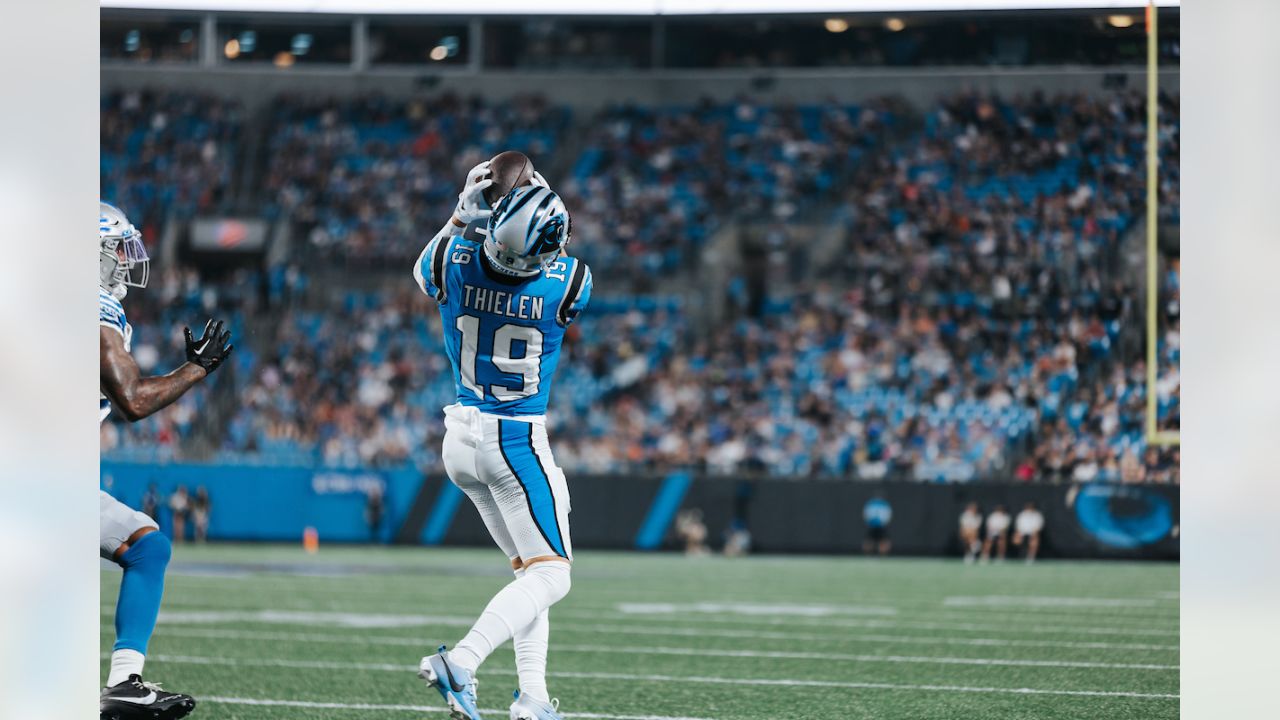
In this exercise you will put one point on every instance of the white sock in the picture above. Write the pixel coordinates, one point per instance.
(123, 664)
(531, 655)
(513, 609)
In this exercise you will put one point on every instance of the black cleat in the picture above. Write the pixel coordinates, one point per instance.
(134, 699)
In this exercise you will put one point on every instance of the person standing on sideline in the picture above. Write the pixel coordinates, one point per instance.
(151, 503)
(997, 534)
(179, 506)
(373, 511)
(1028, 525)
(200, 508)
(970, 530)
(877, 514)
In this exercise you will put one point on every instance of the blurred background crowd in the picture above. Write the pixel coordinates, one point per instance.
(938, 292)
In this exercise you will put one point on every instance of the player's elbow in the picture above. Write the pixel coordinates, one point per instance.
(130, 406)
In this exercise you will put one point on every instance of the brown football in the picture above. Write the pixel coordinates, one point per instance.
(508, 169)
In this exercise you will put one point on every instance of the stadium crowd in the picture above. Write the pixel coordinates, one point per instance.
(367, 180)
(977, 325)
(658, 182)
(165, 152)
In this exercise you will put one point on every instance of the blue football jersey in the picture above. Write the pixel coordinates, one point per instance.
(502, 334)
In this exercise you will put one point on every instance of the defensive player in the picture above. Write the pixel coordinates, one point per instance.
(506, 293)
(127, 537)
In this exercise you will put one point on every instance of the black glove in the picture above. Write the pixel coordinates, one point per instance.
(211, 349)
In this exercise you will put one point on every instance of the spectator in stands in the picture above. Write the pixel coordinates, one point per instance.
(971, 325)
(1028, 526)
(997, 534)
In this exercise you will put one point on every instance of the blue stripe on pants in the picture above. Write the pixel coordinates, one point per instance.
(516, 442)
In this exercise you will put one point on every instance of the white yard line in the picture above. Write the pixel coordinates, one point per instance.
(747, 682)
(770, 655)
(751, 609)
(1044, 626)
(259, 702)
(1045, 601)
(850, 657)
(392, 620)
(188, 631)
(1112, 618)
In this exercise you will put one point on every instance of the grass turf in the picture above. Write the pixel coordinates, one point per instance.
(260, 631)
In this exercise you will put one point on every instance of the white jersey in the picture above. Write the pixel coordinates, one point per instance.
(111, 314)
(970, 521)
(1029, 522)
(997, 523)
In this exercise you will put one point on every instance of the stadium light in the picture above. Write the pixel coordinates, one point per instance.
(836, 25)
(895, 25)
(301, 44)
(1120, 21)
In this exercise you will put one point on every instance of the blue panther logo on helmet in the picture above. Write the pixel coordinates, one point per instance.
(549, 237)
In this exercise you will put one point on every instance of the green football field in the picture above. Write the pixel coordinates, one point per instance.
(265, 631)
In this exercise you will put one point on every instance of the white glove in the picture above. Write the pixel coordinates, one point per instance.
(471, 204)
(539, 181)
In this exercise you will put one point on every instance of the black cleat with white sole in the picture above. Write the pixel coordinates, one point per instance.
(134, 699)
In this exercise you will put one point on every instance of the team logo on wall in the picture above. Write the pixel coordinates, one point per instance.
(1123, 516)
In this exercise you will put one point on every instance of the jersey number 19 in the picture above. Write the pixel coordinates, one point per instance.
(504, 338)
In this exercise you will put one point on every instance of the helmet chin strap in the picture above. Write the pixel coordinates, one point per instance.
(119, 290)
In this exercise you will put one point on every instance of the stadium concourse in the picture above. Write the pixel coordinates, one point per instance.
(987, 325)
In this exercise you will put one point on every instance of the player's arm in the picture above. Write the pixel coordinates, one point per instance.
(137, 397)
(471, 204)
(471, 207)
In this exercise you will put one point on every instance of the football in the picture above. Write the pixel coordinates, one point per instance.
(509, 169)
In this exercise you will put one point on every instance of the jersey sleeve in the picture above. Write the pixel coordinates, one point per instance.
(111, 313)
(576, 296)
(428, 272)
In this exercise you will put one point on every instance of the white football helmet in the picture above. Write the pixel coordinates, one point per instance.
(527, 229)
(123, 260)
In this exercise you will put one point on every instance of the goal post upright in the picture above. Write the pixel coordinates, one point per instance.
(1155, 436)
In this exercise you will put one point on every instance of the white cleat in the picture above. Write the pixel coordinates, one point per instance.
(526, 708)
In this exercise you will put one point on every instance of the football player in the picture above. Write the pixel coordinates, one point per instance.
(506, 293)
(126, 536)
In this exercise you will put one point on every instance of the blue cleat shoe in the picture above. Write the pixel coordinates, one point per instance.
(526, 708)
(456, 685)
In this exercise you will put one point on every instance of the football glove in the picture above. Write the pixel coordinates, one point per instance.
(471, 204)
(211, 348)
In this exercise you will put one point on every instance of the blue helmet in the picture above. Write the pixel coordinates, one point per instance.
(527, 230)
